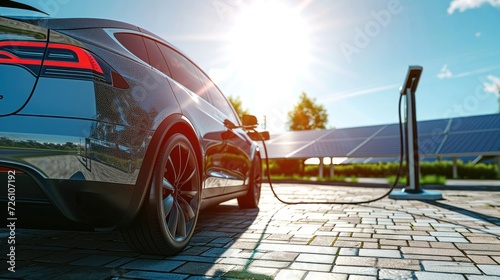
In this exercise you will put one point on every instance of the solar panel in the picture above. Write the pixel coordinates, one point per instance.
(475, 123)
(353, 133)
(464, 136)
(486, 142)
(430, 143)
(432, 127)
(329, 148)
(379, 147)
(389, 130)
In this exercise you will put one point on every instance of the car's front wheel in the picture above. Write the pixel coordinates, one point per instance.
(168, 217)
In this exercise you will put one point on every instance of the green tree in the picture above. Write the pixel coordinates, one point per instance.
(238, 107)
(307, 115)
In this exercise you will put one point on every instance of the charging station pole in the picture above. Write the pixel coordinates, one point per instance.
(413, 190)
(413, 159)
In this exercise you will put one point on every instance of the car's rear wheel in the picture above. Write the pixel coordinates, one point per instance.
(252, 197)
(168, 217)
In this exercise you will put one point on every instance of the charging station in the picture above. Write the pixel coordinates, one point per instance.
(412, 190)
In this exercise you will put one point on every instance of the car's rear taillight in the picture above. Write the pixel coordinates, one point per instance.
(57, 59)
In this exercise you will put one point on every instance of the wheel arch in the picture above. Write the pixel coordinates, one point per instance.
(176, 123)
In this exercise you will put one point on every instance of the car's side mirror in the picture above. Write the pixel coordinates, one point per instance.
(249, 121)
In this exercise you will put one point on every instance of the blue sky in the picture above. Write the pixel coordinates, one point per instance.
(351, 55)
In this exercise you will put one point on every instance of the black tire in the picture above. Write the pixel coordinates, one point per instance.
(169, 214)
(252, 198)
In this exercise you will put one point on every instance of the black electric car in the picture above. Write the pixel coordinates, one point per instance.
(106, 126)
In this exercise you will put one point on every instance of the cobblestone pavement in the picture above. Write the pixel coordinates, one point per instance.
(454, 238)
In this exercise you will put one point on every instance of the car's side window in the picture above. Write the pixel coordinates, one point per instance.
(217, 98)
(182, 70)
(156, 58)
(134, 43)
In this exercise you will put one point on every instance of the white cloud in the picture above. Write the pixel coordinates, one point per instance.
(444, 73)
(478, 34)
(493, 86)
(463, 5)
(476, 71)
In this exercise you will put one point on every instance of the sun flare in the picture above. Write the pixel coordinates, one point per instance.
(269, 43)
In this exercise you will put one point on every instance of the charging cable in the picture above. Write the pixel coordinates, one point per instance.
(338, 202)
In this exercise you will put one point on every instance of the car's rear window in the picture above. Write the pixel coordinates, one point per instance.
(134, 43)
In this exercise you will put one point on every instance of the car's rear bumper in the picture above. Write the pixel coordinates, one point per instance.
(87, 170)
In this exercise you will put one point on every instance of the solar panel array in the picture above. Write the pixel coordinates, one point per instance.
(462, 137)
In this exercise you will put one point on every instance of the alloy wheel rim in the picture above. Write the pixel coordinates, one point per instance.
(180, 194)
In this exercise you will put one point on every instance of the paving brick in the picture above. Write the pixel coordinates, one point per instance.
(443, 244)
(235, 261)
(445, 234)
(482, 277)
(348, 251)
(95, 260)
(322, 241)
(351, 244)
(424, 275)
(220, 252)
(431, 251)
(398, 264)
(315, 258)
(479, 247)
(362, 277)
(490, 269)
(379, 253)
(207, 269)
(152, 265)
(195, 250)
(355, 270)
(187, 258)
(311, 266)
(484, 239)
(313, 275)
(269, 263)
(427, 257)
(394, 242)
(392, 236)
(395, 274)
(489, 253)
(355, 261)
(450, 267)
(452, 239)
(423, 238)
(290, 274)
(119, 262)
(280, 256)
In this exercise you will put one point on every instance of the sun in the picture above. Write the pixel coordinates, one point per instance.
(269, 43)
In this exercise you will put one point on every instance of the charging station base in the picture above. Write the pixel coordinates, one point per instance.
(420, 195)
